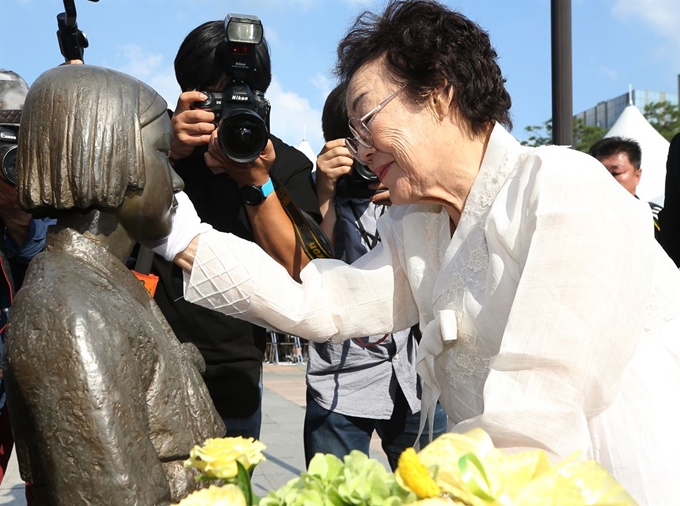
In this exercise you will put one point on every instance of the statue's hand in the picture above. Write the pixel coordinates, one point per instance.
(190, 127)
(194, 356)
(255, 172)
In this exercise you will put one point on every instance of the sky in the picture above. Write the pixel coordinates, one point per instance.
(616, 43)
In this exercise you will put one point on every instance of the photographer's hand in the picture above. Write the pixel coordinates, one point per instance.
(255, 172)
(334, 161)
(382, 196)
(272, 228)
(190, 127)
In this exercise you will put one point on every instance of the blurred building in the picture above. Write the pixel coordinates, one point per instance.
(606, 113)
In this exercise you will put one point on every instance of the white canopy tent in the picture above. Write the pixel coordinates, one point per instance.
(306, 148)
(633, 125)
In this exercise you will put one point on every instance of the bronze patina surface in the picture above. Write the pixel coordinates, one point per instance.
(105, 402)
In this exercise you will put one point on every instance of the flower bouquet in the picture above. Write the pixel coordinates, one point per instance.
(455, 469)
(228, 461)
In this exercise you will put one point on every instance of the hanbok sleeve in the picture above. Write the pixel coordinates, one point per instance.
(585, 265)
(334, 301)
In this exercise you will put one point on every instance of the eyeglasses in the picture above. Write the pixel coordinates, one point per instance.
(359, 127)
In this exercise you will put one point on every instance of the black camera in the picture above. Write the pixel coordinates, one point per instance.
(355, 185)
(8, 153)
(242, 115)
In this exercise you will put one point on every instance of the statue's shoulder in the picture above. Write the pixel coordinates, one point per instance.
(60, 283)
(56, 274)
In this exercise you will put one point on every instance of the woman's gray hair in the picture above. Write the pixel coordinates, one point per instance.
(80, 142)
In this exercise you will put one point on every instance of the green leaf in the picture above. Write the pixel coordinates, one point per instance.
(243, 482)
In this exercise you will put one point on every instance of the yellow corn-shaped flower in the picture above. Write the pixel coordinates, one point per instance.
(415, 475)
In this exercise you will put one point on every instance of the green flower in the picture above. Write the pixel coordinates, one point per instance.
(329, 481)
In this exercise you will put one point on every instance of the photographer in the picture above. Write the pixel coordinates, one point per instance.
(341, 413)
(233, 349)
(22, 237)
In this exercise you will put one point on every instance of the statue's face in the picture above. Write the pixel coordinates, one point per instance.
(147, 214)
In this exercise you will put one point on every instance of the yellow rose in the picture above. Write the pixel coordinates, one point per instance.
(218, 456)
(229, 495)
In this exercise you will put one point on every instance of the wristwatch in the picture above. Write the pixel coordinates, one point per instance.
(253, 195)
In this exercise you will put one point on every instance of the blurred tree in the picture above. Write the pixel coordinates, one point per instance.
(541, 135)
(584, 135)
(664, 116)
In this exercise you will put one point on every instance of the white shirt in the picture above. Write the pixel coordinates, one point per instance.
(551, 318)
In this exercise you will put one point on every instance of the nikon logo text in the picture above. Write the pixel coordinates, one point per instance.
(240, 98)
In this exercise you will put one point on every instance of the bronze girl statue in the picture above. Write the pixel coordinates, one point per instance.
(105, 401)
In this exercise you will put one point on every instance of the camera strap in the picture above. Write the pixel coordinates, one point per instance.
(10, 116)
(371, 240)
(314, 241)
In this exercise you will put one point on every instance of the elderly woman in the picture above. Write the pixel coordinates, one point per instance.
(550, 316)
(105, 402)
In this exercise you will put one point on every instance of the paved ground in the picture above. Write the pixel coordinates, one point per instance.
(283, 415)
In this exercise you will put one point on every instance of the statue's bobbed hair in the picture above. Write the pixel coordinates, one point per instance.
(80, 142)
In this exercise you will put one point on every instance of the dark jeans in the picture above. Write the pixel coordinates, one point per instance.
(6, 444)
(249, 426)
(6, 441)
(329, 432)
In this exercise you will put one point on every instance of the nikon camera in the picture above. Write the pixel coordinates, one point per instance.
(242, 115)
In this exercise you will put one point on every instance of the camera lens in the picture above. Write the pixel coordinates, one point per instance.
(355, 185)
(364, 172)
(8, 159)
(242, 135)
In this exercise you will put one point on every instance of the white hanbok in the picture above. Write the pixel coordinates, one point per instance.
(551, 317)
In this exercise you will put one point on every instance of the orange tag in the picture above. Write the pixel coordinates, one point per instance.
(150, 281)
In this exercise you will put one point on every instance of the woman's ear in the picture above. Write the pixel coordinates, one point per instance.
(441, 100)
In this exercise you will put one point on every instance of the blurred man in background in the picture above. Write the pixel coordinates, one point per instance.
(622, 158)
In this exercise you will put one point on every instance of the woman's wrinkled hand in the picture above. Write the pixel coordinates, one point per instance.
(186, 226)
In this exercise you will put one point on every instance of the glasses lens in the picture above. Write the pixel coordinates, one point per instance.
(352, 146)
(361, 132)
